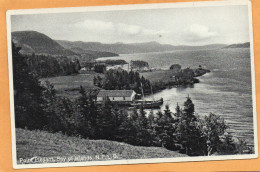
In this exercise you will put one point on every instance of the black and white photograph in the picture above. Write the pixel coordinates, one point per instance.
(131, 84)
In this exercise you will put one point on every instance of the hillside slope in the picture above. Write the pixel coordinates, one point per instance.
(43, 144)
(38, 43)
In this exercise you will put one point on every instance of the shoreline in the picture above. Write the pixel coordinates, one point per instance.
(166, 79)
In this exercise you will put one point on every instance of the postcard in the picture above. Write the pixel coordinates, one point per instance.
(132, 84)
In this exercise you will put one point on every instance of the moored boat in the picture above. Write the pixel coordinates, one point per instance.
(148, 104)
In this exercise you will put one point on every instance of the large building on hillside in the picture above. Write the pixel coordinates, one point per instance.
(116, 95)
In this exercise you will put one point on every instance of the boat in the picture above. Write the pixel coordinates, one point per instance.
(126, 98)
(147, 104)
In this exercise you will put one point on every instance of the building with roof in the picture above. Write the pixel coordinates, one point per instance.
(116, 95)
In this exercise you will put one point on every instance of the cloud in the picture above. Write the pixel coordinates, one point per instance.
(128, 29)
(117, 29)
(95, 26)
(196, 32)
(155, 32)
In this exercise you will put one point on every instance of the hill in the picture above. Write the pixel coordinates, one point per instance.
(81, 49)
(43, 144)
(243, 45)
(122, 48)
(38, 43)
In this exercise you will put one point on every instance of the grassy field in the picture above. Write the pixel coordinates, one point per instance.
(49, 146)
(68, 86)
(159, 75)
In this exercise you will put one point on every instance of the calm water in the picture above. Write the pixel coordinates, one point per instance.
(225, 91)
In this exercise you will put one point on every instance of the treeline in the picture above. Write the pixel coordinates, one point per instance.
(48, 66)
(38, 107)
(114, 62)
(138, 64)
(123, 80)
(182, 77)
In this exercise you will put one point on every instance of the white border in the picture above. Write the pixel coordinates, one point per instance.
(117, 8)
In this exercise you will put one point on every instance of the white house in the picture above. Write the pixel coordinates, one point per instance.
(116, 95)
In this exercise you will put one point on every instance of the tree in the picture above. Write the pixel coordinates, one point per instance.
(122, 80)
(165, 128)
(95, 81)
(188, 110)
(141, 125)
(143, 121)
(175, 67)
(47, 65)
(84, 112)
(144, 135)
(178, 112)
(126, 130)
(100, 68)
(66, 113)
(28, 98)
(167, 112)
(138, 64)
(228, 146)
(188, 133)
(54, 122)
(107, 120)
(212, 128)
(77, 65)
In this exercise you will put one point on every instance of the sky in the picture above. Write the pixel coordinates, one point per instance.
(176, 26)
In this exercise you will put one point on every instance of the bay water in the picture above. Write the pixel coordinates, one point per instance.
(225, 91)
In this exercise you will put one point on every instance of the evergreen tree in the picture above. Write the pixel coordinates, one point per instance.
(83, 111)
(126, 130)
(188, 134)
(66, 113)
(77, 66)
(28, 98)
(164, 128)
(106, 121)
(54, 123)
(143, 135)
(188, 111)
(143, 121)
(178, 112)
(167, 112)
(151, 119)
(95, 80)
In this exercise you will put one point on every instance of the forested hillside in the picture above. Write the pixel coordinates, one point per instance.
(49, 66)
(38, 43)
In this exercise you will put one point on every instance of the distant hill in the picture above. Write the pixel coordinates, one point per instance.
(122, 48)
(243, 45)
(43, 144)
(38, 43)
(81, 49)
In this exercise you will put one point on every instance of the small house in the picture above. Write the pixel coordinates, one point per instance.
(116, 95)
